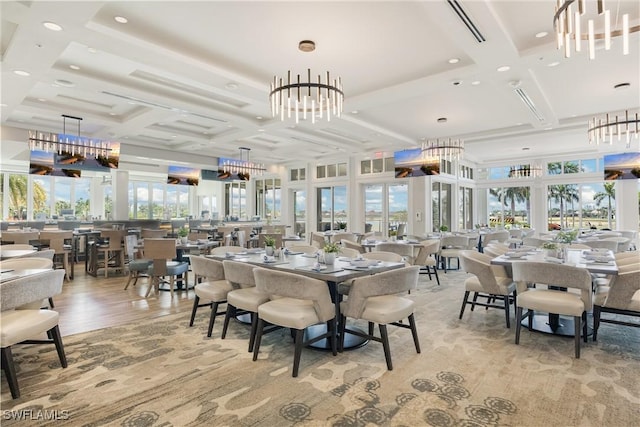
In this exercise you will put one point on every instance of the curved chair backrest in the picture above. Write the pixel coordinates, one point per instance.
(153, 234)
(623, 242)
(27, 263)
(57, 240)
(480, 266)
(622, 289)
(159, 250)
(554, 275)
(350, 253)
(20, 237)
(383, 256)
(386, 283)
(516, 233)
(603, 244)
(337, 237)
(25, 290)
(352, 245)
(289, 285)
(533, 241)
(115, 238)
(402, 249)
(221, 250)
(427, 248)
(461, 242)
(307, 249)
(496, 236)
(239, 274)
(495, 250)
(206, 267)
(317, 240)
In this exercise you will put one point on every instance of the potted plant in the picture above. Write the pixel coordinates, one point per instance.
(444, 228)
(183, 233)
(269, 244)
(342, 225)
(330, 251)
(551, 249)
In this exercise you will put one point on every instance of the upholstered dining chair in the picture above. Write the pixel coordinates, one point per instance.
(112, 250)
(383, 256)
(211, 287)
(495, 249)
(352, 245)
(350, 253)
(375, 300)
(451, 246)
(162, 252)
(318, 240)
(624, 243)
(603, 244)
(405, 250)
(533, 241)
(20, 237)
(297, 302)
(552, 300)
(621, 297)
(136, 266)
(149, 233)
(221, 250)
(29, 263)
(244, 298)
(60, 242)
(426, 257)
(21, 326)
(488, 281)
(339, 236)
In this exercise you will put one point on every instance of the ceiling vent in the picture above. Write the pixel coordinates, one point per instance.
(529, 103)
(475, 32)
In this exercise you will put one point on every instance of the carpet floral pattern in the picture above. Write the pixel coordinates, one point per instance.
(470, 373)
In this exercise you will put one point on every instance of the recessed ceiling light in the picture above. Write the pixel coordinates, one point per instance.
(475, 82)
(231, 86)
(121, 19)
(42, 100)
(549, 128)
(259, 117)
(74, 67)
(112, 114)
(22, 73)
(92, 50)
(355, 112)
(260, 130)
(65, 83)
(622, 86)
(3, 105)
(541, 34)
(442, 120)
(174, 136)
(553, 64)
(504, 68)
(454, 60)
(526, 148)
(52, 26)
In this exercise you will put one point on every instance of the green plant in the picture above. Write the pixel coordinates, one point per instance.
(567, 236)
(444, 228)
(549, 245)
(269, 241)
(330, 248)
(183, 232)
(342, 225)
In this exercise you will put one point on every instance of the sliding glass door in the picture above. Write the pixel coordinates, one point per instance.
(332, 207)
(385, 207)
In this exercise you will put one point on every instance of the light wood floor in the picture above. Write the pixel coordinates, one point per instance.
(88, 303)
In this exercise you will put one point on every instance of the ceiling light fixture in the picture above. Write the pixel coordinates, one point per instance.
(607, 128)
(525, 171)
(52, 26)
(243, 165)
(73, 144)
(299, 98)
(579, 23)
(445, 149)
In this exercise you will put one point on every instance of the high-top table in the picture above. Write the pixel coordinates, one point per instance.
(340, 271)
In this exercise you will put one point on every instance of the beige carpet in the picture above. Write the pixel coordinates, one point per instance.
(470, 373)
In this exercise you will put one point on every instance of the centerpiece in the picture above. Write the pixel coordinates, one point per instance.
(330, 251)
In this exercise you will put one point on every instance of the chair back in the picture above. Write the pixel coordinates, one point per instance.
(383, 256)
(603, 244)
(221, 250)
(153, 234)
(516, 233)
(239, 274)
(18, 247)
(317, 240)
(402, 249)
(115, 238)
(495, 249)
(130, 250)
(427, 248)
(533, 241)
(59, 241)
(206, 267)
(290, 285)
(402, 230)
(624, 243)
(479, 265)
(20, 237)
(194, 237)
(496, 236)
(622, 290)
(352, 245)
(38, 225)
(30, 289)
(337, 237)
(350, 253)
(390, 282)
(27, 263)
(46, 254)
(550, 274)
(159, 250)
(455, 242)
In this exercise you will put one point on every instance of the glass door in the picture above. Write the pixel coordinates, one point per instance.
(332, 207)
(385, 207)
(300, 212)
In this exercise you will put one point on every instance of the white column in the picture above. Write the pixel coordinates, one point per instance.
(120, 184)
(627, 217)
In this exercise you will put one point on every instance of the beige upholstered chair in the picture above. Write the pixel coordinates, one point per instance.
(383, 256)
(350, 253)
(405, 250)
(375, 299)
(533, 241)
(632, 235)
(603, 244)
(553, 300)
(148, 233)
(244, 298)
(427, 252)
(624, 243)
(29, 263)
(401, 232)
(211, 287)
(18, 247)
(60, 242)
(317, 240)
(495, 249)
(451, 246)
(136, 266)
(21, 326)
(488, 281)
(337, 237)
(112, 251)
(621, 297)
(500, 236)
(301, 302)
(162, 252)
(221, 250)
(352, 245)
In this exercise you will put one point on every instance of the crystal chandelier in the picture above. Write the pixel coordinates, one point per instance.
(73, 144)
(609, 128)
(524, 171)
(578, 23)
(299, 97)
(243, 165)
(445, 149)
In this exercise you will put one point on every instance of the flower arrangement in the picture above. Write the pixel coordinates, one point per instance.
(567, 236)
(269, 241)
(331, 248)
(550, 245)
(183, 232)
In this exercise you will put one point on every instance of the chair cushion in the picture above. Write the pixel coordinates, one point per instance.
(289, 312)
(387, 308)
(173, 268)
(20, 325)
(472, 284)
(450, 252)
(139, 264)
(215, 290)
(552, 301)
(247, 299)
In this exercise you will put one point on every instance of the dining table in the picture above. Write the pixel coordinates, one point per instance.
(15, 253)
(307, 265)
(594, 261)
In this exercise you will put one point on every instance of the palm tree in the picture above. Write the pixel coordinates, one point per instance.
(561, 193)
(609, 193)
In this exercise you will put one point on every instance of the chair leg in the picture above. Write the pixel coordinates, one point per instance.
(256, 345)
(475, 298)
(212, 317)
(51, 303)
(297, 352)
(254, 327)
(577, 320)
(172, 282)
(57, 340)
(231, 311)
(193, 311)
(414, 332)
(342, 325)
(371, 328)
(584, 326)
(435, 271)
(507, 314)
(518, 323)
(596, 321)
(332, 327)
(464, 303)
(385, 345)
(10, 371)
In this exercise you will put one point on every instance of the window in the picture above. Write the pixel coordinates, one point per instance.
(509, 206)
(268, 197)
(378, 165)
(589, 205)
(235, 196)
(466, 172)
(297, 174)
(332, 206)
(466, 208)
(441, 205)
(331, 171)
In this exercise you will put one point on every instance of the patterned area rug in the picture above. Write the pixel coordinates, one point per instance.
(470, 373)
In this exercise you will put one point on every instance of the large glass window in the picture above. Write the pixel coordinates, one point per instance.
(300, 212)
(590, 205)
(466, 208)
(268, 197)
(332, 207)
(235, 194)
(385, 207)
(509, 206)
(82, 196)
(63, 190)
(441, 205)
(42, 196)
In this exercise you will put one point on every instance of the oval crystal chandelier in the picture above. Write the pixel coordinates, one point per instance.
(447, 149)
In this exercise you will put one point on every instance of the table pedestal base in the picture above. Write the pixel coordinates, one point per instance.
(553, 324)
(350, 341)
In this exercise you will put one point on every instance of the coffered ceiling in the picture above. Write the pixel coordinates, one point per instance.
(191, 77)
